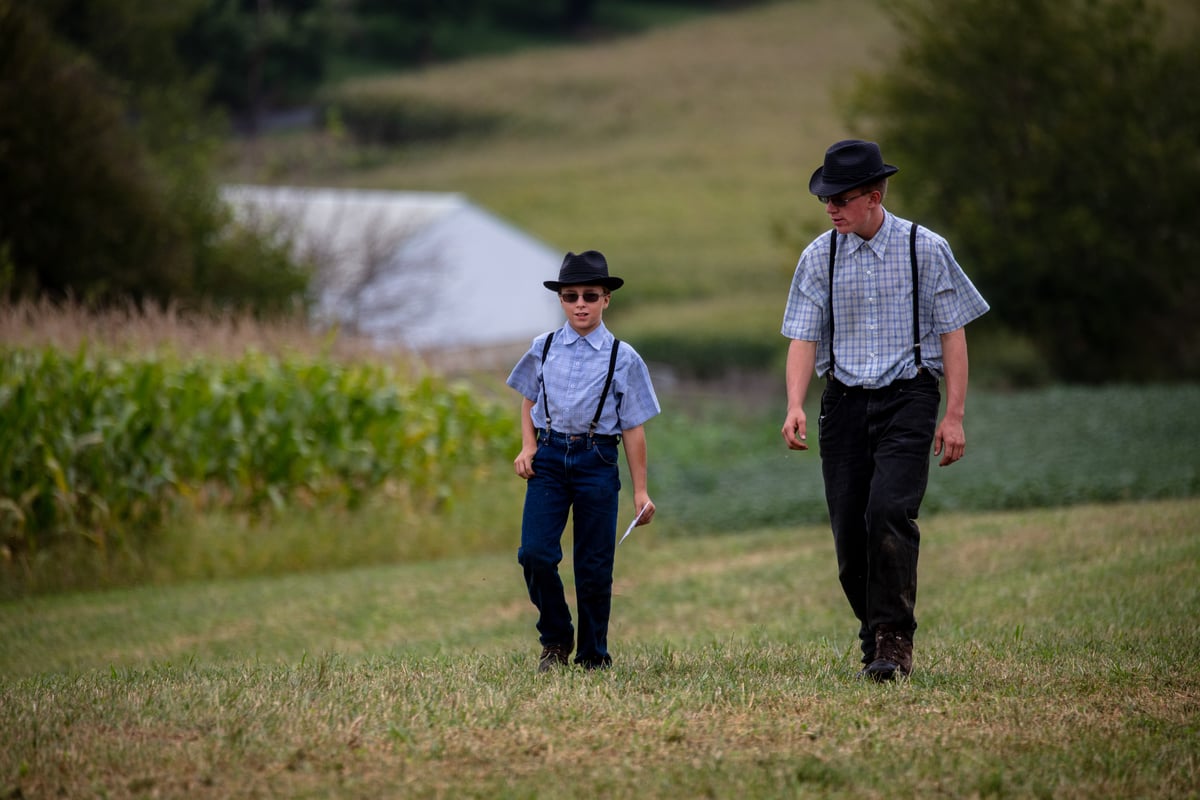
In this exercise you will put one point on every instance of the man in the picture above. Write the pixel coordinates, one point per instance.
(882, 328)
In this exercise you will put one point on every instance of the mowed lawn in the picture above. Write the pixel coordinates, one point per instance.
(1055, 658)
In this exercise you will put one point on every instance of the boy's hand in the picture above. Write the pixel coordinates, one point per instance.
(645, 510)
(523, 463)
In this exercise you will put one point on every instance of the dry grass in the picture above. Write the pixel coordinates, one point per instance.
(69, 326)
(131, 329)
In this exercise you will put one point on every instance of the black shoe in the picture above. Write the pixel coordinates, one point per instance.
(880, 670)
(554, 655)
(893, 656)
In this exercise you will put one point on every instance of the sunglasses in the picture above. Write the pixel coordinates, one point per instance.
(839, 201)
(572, 297)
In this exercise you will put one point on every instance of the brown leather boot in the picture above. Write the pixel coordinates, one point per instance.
(893, 654)
(554, 655)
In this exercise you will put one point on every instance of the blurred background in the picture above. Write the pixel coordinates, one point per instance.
(1054, 144)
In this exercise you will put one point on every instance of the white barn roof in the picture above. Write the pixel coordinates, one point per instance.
(426, 271)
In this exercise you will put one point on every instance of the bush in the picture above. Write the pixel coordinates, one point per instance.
(1022, 128)
(104, 447)
(106, 156)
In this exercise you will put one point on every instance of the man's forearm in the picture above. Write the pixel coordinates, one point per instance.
(955, 367)
(801, 360)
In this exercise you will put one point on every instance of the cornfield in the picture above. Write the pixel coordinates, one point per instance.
(104, 446)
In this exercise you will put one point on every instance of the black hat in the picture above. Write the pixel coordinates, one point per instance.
(586, 269)
(849, 163)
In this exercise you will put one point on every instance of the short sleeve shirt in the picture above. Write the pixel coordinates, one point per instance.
(872, 303)
(572, 379)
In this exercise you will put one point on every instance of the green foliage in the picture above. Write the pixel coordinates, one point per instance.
(416, 33)
(405, 31)
(103, 142)
(728, 469)
(259, 55)
(88, 210)
(1055, 144)
(104, 447)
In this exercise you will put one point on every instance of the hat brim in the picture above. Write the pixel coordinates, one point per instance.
(822, 188)
(611, 283)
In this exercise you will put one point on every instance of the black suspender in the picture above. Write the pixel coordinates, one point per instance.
(912, 257)
(545, 405)
(612, 365)
(833, 234)
(912, 254)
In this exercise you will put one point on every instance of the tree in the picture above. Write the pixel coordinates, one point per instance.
(105, 165)
(258, 54)
(404, 31)
(73, 176)
(1055, 142)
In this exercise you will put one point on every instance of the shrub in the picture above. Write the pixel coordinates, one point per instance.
(103, 447)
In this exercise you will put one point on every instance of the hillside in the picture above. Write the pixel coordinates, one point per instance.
(677, 153)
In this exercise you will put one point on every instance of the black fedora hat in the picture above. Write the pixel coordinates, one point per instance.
(589, 268)
(849, 163)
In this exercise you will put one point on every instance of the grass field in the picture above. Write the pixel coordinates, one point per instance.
(1055, 658)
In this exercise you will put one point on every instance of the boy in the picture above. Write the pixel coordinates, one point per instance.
(583, 392)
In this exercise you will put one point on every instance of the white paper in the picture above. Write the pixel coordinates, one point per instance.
(633, 524)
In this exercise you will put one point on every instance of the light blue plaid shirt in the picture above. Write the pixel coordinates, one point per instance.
(872, 303)
(574, 374)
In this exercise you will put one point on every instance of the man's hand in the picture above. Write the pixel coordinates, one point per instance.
(795, 430)
(949, 441)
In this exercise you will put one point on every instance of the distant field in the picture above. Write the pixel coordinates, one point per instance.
(677, 153)
(1050, 447)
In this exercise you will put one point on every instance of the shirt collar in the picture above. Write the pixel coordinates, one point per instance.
(877, 243)
(597, 339)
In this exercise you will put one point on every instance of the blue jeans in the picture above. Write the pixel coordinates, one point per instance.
(577, 475)
(875, 451)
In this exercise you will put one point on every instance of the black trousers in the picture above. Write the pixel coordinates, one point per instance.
(875, 453)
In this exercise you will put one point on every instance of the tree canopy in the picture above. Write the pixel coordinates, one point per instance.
(105, 160)
(1055, 144)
